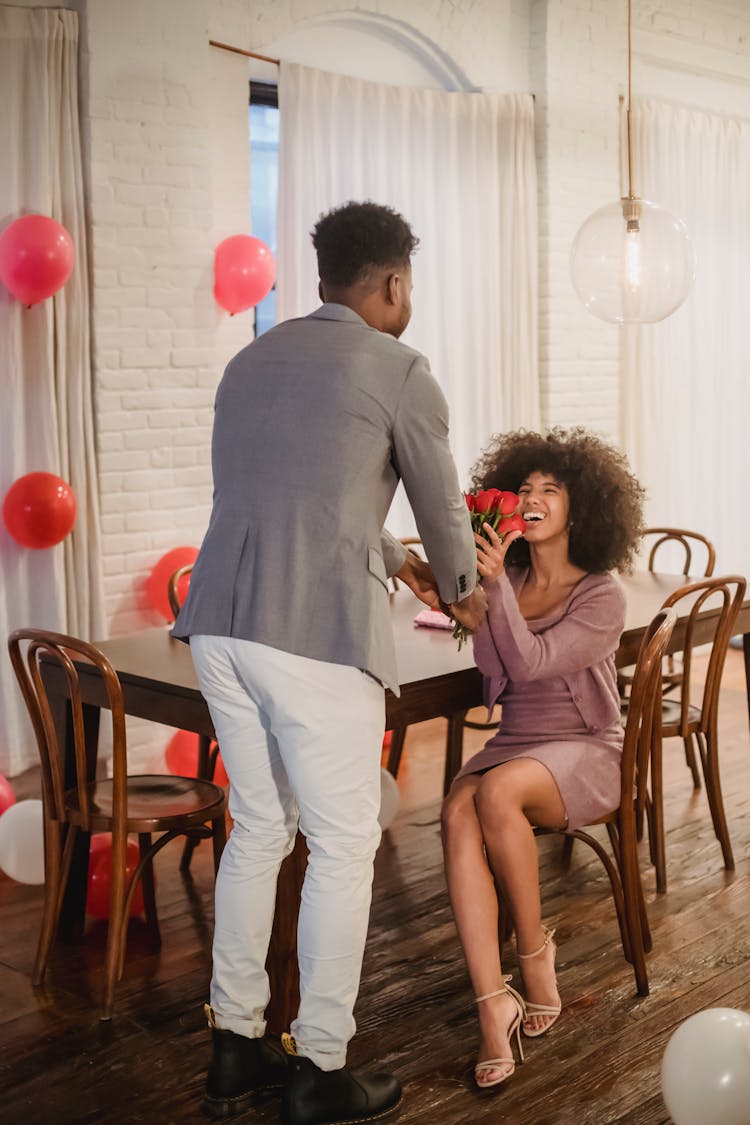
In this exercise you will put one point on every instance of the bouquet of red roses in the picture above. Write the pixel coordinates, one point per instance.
(497, 508)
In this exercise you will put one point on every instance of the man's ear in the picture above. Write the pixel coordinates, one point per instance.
(393, 288)
(320, 292)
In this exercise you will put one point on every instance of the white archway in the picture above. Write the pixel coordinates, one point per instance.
(369, 46)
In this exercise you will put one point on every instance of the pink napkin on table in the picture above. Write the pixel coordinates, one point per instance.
(433, 619)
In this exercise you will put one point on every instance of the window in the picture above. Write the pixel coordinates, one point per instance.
(264, 181)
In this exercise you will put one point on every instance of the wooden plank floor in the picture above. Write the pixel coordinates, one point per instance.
(600, 1065)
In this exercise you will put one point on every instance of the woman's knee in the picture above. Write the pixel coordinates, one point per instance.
(498, 800)
(458, 808)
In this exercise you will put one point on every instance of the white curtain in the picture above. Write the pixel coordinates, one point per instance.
(461, 169)
(46, 410)
(686, 380)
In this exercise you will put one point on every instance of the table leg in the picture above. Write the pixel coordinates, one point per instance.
(746, 651)
(281, 965)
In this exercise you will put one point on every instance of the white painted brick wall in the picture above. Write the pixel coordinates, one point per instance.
(166, 131)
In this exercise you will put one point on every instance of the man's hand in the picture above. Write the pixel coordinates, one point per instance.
(471, 611)
(417, 575)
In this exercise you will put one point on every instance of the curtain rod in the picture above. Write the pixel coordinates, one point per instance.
(247, 54)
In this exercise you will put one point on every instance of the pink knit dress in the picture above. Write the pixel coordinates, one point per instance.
(555, 679)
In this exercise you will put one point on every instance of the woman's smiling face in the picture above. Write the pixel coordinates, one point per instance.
(545, 506)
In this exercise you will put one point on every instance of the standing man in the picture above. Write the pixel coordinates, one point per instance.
(287, 616)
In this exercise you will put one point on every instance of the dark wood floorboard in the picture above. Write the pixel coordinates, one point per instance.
(415, 1014)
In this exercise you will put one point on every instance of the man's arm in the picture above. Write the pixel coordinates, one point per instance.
(424, 461)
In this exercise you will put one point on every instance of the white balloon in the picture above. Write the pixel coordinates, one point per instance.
(22, 842)
(389, 799)
(705, 1072)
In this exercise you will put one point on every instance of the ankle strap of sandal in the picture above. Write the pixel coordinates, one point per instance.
(548, 936)
(497, 992)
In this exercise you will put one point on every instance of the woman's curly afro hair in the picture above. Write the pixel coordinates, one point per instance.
(606, 500)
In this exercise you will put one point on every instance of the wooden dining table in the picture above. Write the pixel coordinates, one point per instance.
(159, 683)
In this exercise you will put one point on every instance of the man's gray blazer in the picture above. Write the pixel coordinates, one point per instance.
(315, 423)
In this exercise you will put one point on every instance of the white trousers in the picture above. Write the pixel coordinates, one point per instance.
(300, 740)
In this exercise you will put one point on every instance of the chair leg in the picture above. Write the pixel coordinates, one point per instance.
(149, 895)
(398, 736)
(635, 911)
(52, 894)
(692, 762)
(567, 851)
(656, 818)
(205, 772)
(709, 748)
(454, 747)
(117, 927)
(218, 839)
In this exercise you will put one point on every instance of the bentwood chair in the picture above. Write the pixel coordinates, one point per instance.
(454, 738)
(697, 723)
(642, 740)
(208, 748)
(123, 804)
(694, 553)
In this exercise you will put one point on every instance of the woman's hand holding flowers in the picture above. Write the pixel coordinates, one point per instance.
(491, 551)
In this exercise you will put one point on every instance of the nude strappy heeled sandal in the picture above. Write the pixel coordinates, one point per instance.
(515, 1027)
(551, 1010)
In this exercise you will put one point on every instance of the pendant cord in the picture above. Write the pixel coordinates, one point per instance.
(631, 194)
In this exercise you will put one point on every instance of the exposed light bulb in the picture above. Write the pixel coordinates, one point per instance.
(631, 212)
(632, 259)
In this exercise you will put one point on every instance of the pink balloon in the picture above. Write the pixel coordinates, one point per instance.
(7, 796)
(244, 272)
(36, 258)
(39, 510)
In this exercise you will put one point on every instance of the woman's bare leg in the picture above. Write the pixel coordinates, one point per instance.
(473, 896)
(509, 800)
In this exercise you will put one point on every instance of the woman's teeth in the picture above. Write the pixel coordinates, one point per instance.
(533, 517)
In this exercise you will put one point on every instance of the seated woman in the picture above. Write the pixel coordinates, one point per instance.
(547, 654)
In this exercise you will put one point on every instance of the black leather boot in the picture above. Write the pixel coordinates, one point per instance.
(240, 1069)
(325, 1097)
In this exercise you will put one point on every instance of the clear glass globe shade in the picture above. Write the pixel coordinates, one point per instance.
(632, 261)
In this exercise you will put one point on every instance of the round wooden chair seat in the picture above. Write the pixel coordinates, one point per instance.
(670, 716)
(155, 802)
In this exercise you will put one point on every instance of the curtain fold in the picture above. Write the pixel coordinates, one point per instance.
(685, 391)
(46, 394)
(461, 169)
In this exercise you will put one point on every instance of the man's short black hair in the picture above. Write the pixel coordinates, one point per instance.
(356, 238)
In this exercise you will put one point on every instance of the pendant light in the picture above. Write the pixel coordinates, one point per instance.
(632, 261)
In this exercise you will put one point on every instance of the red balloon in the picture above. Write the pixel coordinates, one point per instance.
(182, 757)
(7, 796)
(158, 580)
(39, 510)
(36, 257)
(100, 875)
(244, 272)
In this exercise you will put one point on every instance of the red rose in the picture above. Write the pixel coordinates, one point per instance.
(488, 500)
(513, 523)
(470, 499)
(509, 503)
